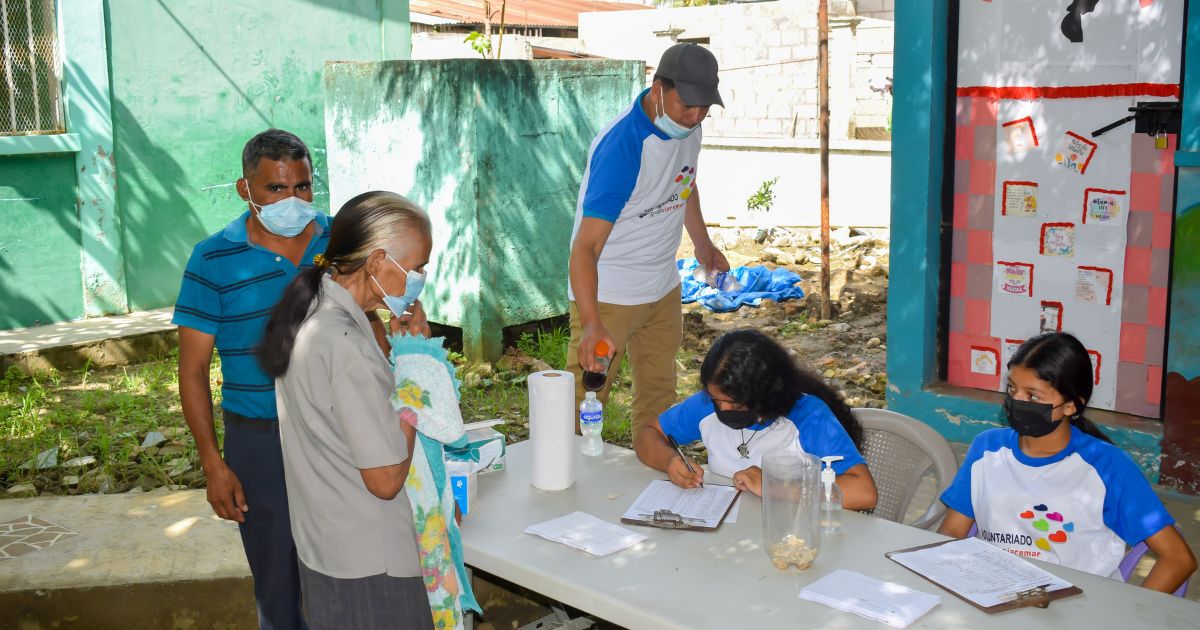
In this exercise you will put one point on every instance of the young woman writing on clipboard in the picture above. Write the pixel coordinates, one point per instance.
(756, 400)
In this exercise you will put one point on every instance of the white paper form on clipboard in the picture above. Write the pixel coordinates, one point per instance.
(980, 573)
(698, 508)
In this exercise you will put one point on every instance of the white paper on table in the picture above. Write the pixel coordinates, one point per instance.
(586, 532)
(851, 592)
(706, 504)
(978, 571)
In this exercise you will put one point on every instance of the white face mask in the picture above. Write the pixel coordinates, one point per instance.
(666, 125)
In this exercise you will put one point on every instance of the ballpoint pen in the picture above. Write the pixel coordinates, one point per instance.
(675, 445)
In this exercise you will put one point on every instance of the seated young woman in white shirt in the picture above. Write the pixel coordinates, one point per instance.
(1053, 486)
(756, 400)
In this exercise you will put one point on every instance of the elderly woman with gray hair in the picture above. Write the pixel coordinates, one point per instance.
(346, 453)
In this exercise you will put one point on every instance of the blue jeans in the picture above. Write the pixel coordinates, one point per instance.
(253, 452)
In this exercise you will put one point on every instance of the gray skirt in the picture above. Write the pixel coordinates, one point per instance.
(377, 602)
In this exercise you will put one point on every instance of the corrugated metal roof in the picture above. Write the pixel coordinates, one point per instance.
(543, 13)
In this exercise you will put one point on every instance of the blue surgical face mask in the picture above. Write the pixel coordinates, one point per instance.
(285, 218)
(668, 126)
(414, 282)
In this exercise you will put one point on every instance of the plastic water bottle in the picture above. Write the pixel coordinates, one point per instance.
(591, 422)
(719, 280)
(831, 497)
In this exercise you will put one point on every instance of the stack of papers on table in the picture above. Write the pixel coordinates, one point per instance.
(584, 531)
(865, 596)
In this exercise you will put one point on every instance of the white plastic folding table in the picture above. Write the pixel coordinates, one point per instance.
(723, 579)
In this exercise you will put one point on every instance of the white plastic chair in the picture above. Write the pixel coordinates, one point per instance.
(899, 450)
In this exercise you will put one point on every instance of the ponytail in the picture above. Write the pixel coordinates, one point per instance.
(365, 224)
(275, 351)
(1090, 428)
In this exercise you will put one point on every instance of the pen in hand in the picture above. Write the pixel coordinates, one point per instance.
(675, 445)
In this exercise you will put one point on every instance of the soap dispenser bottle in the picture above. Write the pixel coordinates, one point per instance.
(831, 497)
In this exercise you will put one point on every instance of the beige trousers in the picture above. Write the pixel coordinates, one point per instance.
(651, 334)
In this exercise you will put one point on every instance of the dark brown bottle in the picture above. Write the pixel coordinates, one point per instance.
(594, 381)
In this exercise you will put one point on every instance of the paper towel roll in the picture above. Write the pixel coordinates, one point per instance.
(552, 429)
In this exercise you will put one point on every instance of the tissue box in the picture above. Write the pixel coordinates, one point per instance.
(464, 484)
(485, 449)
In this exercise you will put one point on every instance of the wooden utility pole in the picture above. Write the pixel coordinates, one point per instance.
(500, 45)
(823, 132)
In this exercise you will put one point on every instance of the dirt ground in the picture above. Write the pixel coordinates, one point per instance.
(850, 348)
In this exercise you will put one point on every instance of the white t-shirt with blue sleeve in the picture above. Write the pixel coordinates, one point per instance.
(639, 179)
(1078, 508)
(810, 427)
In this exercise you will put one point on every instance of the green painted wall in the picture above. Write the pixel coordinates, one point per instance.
(40, 281)
(191, 82)
(495, 150)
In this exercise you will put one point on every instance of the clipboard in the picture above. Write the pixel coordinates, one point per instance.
(1036, 597)
(666, 519)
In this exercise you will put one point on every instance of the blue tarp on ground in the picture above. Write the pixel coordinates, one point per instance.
(758, 283)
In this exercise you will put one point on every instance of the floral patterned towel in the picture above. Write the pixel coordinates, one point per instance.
(427, 398)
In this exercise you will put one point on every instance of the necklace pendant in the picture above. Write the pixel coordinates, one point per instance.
(744, 451)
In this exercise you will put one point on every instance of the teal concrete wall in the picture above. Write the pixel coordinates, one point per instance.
(919, 120)
(495, 150)
(191, 82)
(160, 98)
(40, 280)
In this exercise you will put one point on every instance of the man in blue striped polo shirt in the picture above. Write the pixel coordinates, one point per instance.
(232, 281)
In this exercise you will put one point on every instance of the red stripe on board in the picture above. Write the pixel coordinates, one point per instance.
(1030, 93)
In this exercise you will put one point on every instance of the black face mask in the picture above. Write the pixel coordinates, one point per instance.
(736, 419)
(1030, 419)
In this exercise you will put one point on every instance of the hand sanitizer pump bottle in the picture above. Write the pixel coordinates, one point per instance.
(831, 497)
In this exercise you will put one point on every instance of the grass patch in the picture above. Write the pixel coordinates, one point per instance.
(107, 413)
(104, 414)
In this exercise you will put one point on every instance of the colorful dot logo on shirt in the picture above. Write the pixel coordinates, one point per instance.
(1042, 519)
(687, 179)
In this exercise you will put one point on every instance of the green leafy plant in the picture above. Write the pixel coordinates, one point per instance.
(480, 43)
(764, 197)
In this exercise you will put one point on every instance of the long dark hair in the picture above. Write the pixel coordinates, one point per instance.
(1061, 360)
(755, 371)
(365, 224)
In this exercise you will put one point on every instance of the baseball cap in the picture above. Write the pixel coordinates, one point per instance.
(693, 69)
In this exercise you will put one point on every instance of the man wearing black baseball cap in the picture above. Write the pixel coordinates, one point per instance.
(638, 194)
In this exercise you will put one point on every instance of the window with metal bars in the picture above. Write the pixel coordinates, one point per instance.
(30, 69)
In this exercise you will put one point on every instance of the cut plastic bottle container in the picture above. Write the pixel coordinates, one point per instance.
(791, 508)
(719, 280)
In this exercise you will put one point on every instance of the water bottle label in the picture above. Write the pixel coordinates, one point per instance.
(588, 417)
(719, 281)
